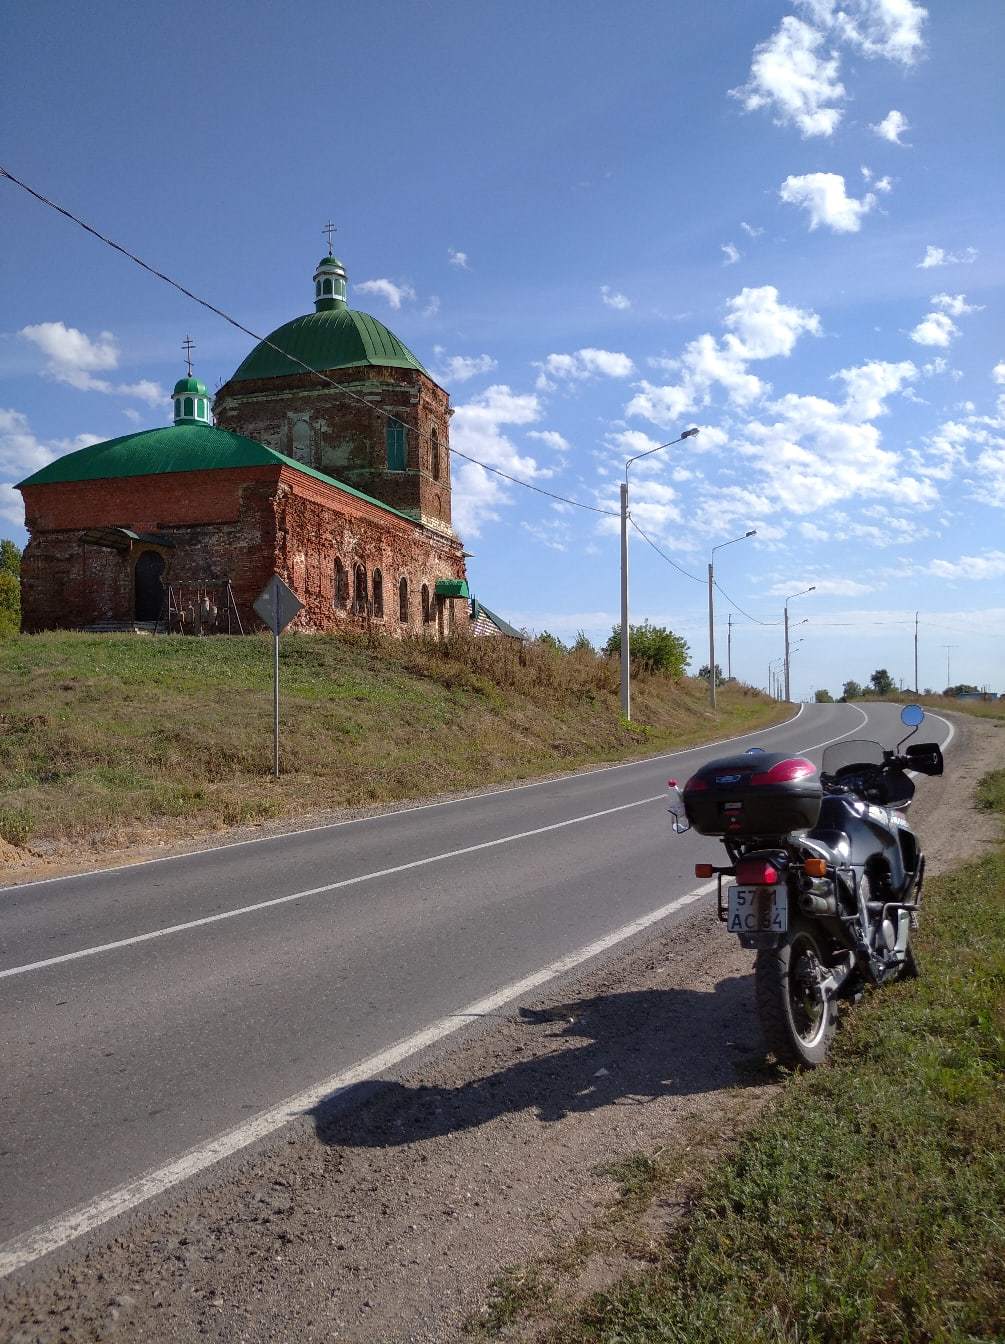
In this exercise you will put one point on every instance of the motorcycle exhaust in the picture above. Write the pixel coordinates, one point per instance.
(818, 905)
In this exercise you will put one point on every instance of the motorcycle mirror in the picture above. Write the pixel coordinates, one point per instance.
(912, 716)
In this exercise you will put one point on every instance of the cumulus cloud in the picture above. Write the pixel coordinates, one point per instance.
(935, 329)
(868, 386)
(731, 254)
(613, 299)
(586, 363)
(824, 198)
(824, 587)
(458, 259)
(938, 256)
(551, 438)
(888, 28)
(759, 326)
(74, 358)
(477, 429)
(998, 372)
(955, 304)
(22, 452)
(987, 565)
(393, 294)
(750, 230)
(892, 127)
(461, 368)
(790, 75)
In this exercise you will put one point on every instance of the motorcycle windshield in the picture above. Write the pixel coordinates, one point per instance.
(858, 751)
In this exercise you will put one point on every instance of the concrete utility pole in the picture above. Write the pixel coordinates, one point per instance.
(626, 669)
(949, 648)
(729, 648)
(711, 611)
(916, 654)
(802, 593)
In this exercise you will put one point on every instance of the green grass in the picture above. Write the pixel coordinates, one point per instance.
(109, 740)
(868, 1205)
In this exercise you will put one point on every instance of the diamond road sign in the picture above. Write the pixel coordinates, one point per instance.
(277, 604)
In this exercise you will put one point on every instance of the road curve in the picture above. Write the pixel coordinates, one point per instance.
(150, 1009)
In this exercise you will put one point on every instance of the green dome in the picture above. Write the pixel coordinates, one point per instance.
(330, 261)
(335, 338)
(190, 386)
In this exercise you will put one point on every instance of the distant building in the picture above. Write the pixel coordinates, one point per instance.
(343, 491)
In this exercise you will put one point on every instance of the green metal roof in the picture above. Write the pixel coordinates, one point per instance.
(188, 447)
(336, 338)
(452, 588)
(190, 385)
(329, 261)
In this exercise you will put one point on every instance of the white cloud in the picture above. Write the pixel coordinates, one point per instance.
(888, 28)
(585, 363)
(938, 256)
(892, 127)
(551, 438)
(955, 304)
(824, 587)
(731, 254)
(868, 386)
(825, 199)
(432, 306)
(458, 259)
(613, 299)
(750, 230)
(989, 565)
(132, 415)
(762, 327)
(789, 75)
(935, 329)
(22, 453)
(460, 368)
(998, 372)
(394, 294)
(74, 358)
(883, 184)
(477, 430)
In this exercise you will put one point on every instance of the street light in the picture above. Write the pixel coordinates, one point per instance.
(711, 611)
(774, 669)
(626, 673)
(802, 593)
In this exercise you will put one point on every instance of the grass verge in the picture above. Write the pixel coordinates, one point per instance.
(107, 741)
(869, 1203)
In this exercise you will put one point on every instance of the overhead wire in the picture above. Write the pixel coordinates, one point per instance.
(263, 340)
(662, 553)
(755, 619)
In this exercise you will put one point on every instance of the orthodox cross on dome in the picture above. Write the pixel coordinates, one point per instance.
(188, 345)
(330, 229)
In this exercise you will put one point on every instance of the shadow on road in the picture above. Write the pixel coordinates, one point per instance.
(611, 1050)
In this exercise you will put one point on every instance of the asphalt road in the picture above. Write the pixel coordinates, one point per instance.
(148, 1009)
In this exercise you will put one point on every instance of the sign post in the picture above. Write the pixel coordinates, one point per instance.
(277, 605)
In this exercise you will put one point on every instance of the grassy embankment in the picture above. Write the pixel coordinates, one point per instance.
(110, 740)
(981, 709)
(868, 1204)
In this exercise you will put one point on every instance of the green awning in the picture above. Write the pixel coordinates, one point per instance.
(452, 588)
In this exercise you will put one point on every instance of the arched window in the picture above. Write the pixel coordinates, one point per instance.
(434, 455)
(341, 585)
(378, 593)
(327, 287)
(339, 288)
(397, 446)
(302, 441)
(317, 289)
(425, 604)
(403, 600)
(189, 408)
(360, 594)
(201, 409)
(177, 406)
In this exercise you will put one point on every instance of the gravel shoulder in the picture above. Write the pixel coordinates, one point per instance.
(391, 1221)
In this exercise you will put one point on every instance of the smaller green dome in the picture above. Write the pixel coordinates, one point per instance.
(191, 386)
(330, 261)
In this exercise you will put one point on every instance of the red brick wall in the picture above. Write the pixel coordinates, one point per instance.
(344, 438)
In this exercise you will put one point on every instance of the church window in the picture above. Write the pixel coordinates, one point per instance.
(341, 585)
(403, 600)
(302, 440)
(189, 408)
(425, 604)
(327, 287)
(434, 455)
(396, 446)
(360, 596)
(177, 406)
(201, 411)
(378, 593)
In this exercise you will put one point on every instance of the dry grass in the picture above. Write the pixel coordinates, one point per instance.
(107, 741)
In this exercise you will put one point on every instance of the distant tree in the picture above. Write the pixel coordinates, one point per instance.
(823, 697)
(703, 673)
(551, 641)
(928, 691)
(852, 691)
(881, 682)
(10, 558)
(653, 648)
(582, 644)
(964, 688)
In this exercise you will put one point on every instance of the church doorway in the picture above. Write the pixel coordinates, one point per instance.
(149, 576)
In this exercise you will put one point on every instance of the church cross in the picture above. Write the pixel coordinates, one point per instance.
(188, 345)
(329, 229)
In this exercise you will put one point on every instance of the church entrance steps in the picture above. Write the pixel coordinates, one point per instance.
(123, 628)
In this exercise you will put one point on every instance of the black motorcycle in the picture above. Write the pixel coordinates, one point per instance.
(828, 875)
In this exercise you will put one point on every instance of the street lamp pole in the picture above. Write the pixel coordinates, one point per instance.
(802, 593)
(626, 671)
(711, 611)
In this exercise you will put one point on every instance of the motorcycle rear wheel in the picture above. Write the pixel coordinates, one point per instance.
(798, 1025)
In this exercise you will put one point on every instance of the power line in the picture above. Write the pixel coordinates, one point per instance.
(664, 555)
(262, 340)
(740, 609)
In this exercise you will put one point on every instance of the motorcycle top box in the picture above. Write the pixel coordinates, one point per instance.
(762, 794)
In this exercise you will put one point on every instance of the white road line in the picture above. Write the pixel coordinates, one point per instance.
(400, 811)
(337, 886)
(50, 1236)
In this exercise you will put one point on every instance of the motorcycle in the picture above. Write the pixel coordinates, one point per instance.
(828, 875)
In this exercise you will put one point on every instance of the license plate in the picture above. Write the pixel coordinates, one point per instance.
(757, 909)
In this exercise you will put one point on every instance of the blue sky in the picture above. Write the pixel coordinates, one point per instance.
(780, 223)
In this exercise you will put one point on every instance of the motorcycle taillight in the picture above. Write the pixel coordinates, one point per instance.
(796, 767)
(756, 873)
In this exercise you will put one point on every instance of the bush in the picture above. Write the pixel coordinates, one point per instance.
(824, 697)
(652, 648)
(10, 604)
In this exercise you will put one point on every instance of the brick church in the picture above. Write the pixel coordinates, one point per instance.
(340, 484)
